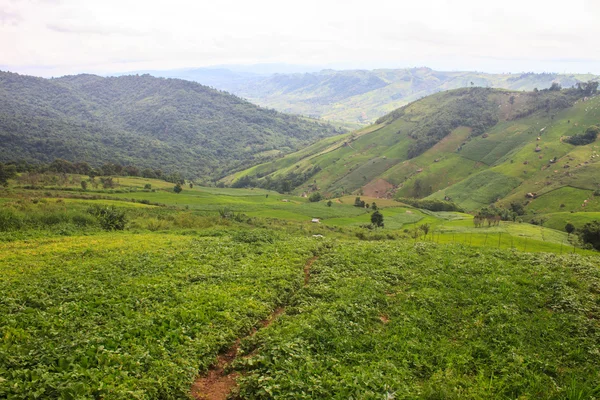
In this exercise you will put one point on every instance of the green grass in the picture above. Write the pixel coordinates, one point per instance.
(479, 190)
(392, 320)
(121, 316)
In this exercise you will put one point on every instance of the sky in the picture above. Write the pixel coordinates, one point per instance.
(59, 37)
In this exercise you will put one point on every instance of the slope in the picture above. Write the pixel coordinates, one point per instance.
(475, 146)
(168, 124)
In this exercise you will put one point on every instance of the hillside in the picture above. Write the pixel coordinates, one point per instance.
(168, 124)
(474, 146)
(360, 96)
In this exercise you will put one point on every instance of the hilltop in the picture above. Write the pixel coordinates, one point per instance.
(168, 124)
(474, 146)
(360, 96)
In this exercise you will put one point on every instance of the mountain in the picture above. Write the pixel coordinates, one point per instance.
(472, 145)
(169, 124)
(360, 96)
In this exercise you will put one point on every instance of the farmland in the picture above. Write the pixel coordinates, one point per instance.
(146, 311)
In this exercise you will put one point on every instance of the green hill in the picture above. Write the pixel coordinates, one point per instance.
(362, 96)
(167, 124)
(475, 146)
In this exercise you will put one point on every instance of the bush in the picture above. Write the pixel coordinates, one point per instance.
(9, 221)
(582, 139)
(590, 234)
(315, 197)
(110, 218)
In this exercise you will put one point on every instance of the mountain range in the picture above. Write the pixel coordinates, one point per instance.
(356, 96)
(169, 124)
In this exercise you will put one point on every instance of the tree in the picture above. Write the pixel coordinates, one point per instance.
(359, 203)
(424, 228)
(7, 172)
(329, 203)
(147, 186)
(374, 206)
(377, 219)
(569, 228)
(517, 208)
(178, 189)
(590, 233)
(555, 87)
(84, 185)
(191, 185)
(315, 197)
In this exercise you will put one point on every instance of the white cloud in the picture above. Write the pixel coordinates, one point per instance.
(69, 36)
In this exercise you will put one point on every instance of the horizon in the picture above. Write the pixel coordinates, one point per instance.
(274, 68)
(65, 37)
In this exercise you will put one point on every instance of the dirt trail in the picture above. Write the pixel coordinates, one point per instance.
(217, 383)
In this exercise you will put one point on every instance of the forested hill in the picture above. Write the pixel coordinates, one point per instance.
(169, 124)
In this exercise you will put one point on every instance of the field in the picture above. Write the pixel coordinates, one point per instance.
(389, 320)
(239, 284)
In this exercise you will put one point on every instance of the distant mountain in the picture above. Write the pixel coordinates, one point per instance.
(169, 124)
(475, 146)
(359, 95)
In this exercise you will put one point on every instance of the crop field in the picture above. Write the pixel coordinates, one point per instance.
(427, 321)
(122, 316)
(395, 312)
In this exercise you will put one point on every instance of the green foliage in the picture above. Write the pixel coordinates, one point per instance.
(7, 171)
(152, 123)
(127, 316)
(393, 320)
(432, 204)
(147, 186)
(359, 203)
(255, 236)
(569, 228)
(315, 197)
(590, 234)
(590, 135)
(177, 189)
(377, 219)
(329, 203)
(111, 218)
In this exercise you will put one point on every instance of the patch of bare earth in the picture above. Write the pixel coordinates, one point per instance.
(217, 383)
(377, 188)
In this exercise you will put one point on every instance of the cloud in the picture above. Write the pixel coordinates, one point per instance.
(117, 35)
(10, 18)
(80, 29)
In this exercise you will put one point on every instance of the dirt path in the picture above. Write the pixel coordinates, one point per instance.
(217, 383)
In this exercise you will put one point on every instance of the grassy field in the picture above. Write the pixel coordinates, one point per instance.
(389, 320)
(140, 313)
(122, 316)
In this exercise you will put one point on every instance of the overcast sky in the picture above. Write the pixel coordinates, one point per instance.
(57, 37)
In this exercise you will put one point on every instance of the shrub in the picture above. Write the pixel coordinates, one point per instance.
(590, 135)
(590, 234)
(110, 218)
(315, 197)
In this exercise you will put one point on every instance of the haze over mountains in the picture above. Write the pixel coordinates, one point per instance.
(354, 96)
